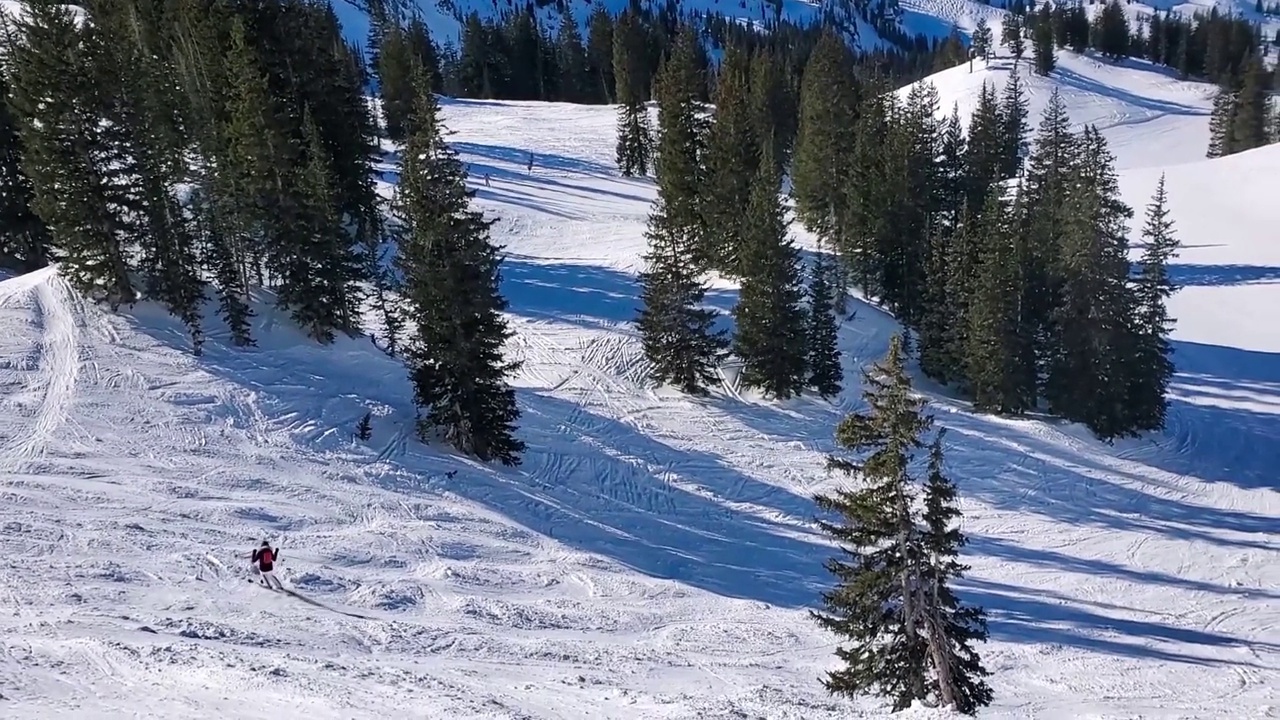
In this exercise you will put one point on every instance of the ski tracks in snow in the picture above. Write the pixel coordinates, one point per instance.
(54, 380)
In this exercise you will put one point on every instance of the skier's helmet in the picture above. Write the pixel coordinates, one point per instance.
(266, 543)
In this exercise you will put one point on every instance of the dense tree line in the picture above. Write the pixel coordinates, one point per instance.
(1007, 259)
(177, 150)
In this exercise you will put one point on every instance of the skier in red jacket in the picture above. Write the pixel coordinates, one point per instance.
(264, 559)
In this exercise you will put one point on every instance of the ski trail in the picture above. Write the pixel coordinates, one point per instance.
(55, 379)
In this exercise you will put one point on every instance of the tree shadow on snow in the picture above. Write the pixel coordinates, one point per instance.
(565, 291)
(602, 486)
(1013, 468)
(520, 157)
(1016, 614)
(1224, 418)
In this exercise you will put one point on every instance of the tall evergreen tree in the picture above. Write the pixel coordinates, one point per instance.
(826, 139)
(822, 333)
(678, 334)
(910, 637)
(1221, 122)
(74, 158)
(769, 333)
(572, 60)
(1249, 122)
(773, 106)
(600, 54)
(24, 238)
(1043, 42)
(1091, 321)
(997, 378)
(1014, 35)
(983, 39)
(731, 158)
(1112, 31)
(451, 274)
(635, 139)
(1151, 365)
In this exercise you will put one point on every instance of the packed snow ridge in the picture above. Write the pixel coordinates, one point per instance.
(655, 556)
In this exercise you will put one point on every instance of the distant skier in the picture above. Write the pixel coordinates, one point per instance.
(264, 559)
(530, 168)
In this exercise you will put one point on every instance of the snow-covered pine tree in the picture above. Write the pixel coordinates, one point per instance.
(905, 635)
(451, 294)
(769, 332)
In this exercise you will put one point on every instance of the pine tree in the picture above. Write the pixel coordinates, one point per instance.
(572, 60)
(600, 56)
(395, 58)
(159, 146)
(1013, 35)
(1013, 127)
(1151, 366)
(996, 377)
(773, 106)
(822, 333)
(1221, 120)
(364, 429)
(952, 626)
(1043, 42)
(909, 636)
(1249, 122)
(769, 332)
(635, 139)
(731, 158)
(826, 141)
(73, 158)
(1085, 379)
(24, 238)
(986, 151)
(451, 290)
(982, 39)
(678, 337)
(1112, 30)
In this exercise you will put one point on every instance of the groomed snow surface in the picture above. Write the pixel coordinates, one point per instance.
(655, 556)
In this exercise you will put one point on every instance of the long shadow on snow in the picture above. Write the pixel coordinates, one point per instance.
(1036, 476)
(1050, 559)
(1209, 435)
(563, 291)
(607, 488)
(520, 157)
(1221, 275)
(1071, 78)
(1019, 615)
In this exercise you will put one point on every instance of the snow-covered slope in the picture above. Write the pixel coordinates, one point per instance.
(1149, 117)
(654, 557)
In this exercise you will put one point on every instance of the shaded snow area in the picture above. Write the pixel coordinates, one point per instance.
(655, 556)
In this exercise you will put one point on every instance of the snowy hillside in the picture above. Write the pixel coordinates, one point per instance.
(1149, 117)
(654, 557)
